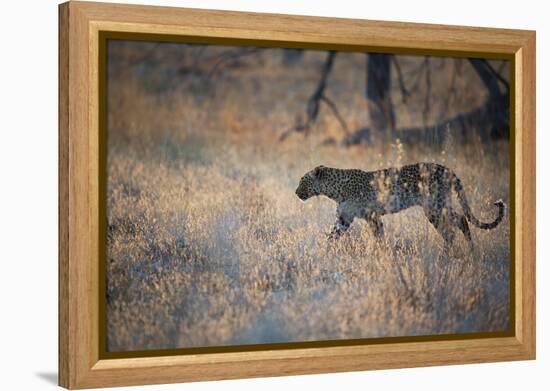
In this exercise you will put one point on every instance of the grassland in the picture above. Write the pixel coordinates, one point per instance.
(208, 245)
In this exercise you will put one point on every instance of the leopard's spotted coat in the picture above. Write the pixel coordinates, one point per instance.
(370, 195)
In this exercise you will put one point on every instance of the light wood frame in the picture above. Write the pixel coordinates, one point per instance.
(80, 365)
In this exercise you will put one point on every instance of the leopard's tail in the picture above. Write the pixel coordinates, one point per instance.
(468, 212)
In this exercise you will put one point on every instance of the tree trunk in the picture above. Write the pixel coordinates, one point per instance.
(496, 111)
(380, 107)
(488, 122)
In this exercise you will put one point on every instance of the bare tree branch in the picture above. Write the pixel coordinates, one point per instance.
(404, 92)
(450, 94)
(501, 66)
(419, 72)
(340, 119)
(232, 55)
(487, 75)
(299, 127)
(318, 96)
(428, 80)
(312, 110)
(498, 76)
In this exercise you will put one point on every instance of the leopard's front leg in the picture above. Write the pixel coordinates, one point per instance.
(342, 225)
(374, 221)
(346, 212)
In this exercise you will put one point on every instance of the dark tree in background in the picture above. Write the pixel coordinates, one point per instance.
(489, 121)
(496, 110)
(314, 102)
(380, 106)
(292, 56)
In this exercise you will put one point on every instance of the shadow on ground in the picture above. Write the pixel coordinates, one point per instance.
(48, 377)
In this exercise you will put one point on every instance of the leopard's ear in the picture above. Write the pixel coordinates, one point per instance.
(318, 171)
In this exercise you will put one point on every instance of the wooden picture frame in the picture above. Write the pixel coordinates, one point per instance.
(80, 153)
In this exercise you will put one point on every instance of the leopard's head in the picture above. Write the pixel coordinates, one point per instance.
(310, 184)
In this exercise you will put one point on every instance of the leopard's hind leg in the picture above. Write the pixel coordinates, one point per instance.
(461, 223)
(445, 221)
(377, 227)
(375, 223)
(442, 222)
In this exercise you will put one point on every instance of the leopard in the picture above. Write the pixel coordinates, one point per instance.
(369, 195)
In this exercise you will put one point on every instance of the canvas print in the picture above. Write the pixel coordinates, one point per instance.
(261, 195)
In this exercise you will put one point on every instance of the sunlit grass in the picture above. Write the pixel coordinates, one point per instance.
(208, 244)
(225, 253)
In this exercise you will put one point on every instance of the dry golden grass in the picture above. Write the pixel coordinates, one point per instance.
(208, 244)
